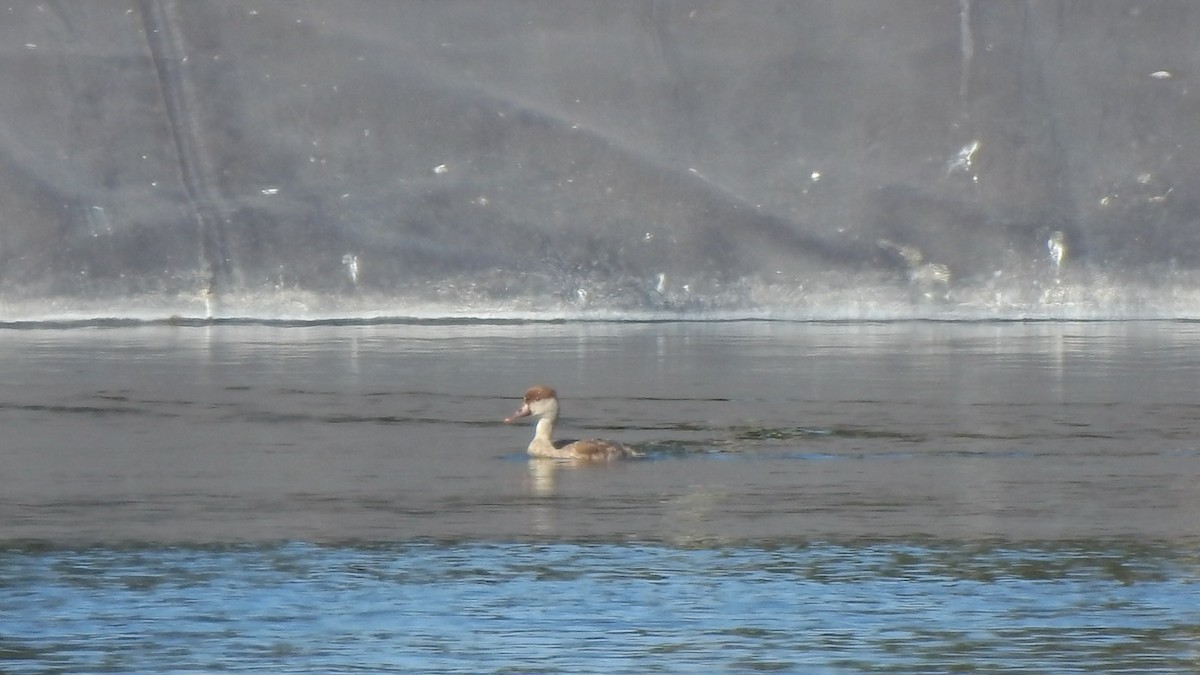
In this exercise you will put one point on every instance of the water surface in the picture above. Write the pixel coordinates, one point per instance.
(898, 497)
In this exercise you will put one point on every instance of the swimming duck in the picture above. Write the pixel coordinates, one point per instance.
(542, 402)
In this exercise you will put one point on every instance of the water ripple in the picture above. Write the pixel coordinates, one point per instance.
(596, 607)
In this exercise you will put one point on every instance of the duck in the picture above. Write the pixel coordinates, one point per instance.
(541, 402)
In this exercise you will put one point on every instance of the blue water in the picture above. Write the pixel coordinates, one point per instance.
(600, 607)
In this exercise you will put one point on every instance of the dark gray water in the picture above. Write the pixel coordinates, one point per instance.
(893, 497)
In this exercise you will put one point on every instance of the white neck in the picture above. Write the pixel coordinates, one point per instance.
(545, 429)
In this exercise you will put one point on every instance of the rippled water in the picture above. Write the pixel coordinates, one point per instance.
(912, 497)
(472, 607)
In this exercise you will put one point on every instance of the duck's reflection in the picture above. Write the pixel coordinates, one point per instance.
(543, 474)
(542, 477)
(543, 486)
(542, 483)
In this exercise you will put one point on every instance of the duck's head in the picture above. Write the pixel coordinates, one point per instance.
(539, 401)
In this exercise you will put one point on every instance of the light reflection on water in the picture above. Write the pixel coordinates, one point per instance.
(601, 607)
